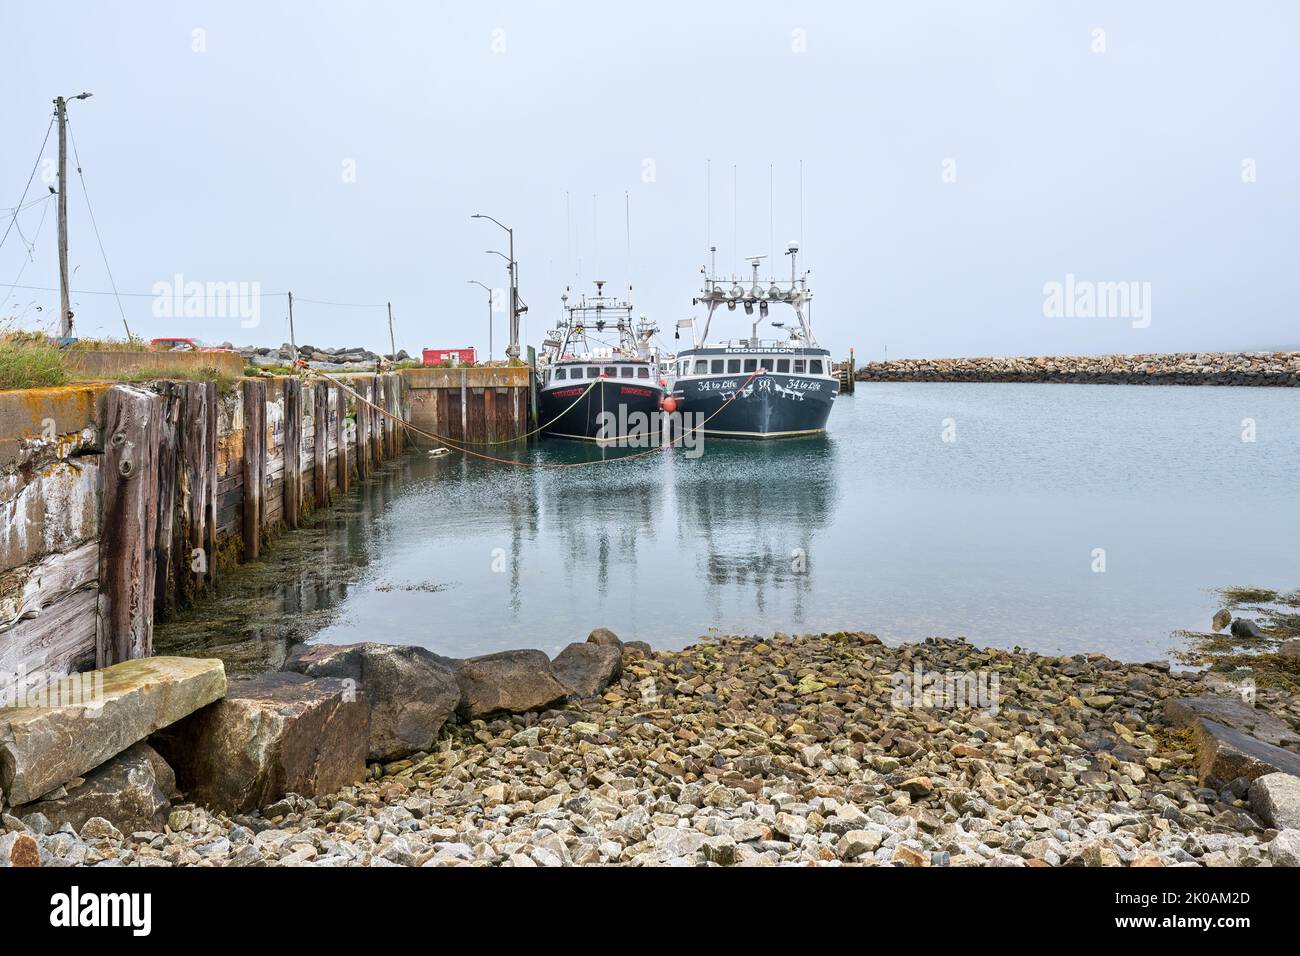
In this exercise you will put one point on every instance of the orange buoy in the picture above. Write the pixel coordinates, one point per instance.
(669, 404)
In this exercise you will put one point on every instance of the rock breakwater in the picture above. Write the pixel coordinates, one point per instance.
(1179, 368)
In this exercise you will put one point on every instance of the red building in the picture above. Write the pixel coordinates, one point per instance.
(449, 357)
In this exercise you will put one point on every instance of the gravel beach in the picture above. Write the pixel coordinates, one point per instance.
(825, 750)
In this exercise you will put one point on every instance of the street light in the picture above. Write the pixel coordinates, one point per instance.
(489, 292)
(512, 350)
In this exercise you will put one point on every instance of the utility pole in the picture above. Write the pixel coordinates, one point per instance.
(512, 350)
(292, 341)
(488, 289)
(65, 310)
(392, 342)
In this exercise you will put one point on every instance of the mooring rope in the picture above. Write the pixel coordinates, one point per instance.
(529, 464)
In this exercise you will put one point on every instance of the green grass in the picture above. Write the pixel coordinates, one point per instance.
(30, 361)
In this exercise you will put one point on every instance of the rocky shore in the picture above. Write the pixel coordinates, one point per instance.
(355, 359)
(812, 750)
(1179, 368)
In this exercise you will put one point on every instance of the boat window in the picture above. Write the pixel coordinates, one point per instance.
(717, 366)
(559, 373)
(626, 372)
(799, 366)
(701, 367)
(783, 365)
(767, 364)
(733, 366)
(814, 366)
(592, 371)
(681, 369)
(751, 365)
(642, 372)
(610, 371)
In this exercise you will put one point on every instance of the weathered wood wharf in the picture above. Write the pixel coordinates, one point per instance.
(121, 504)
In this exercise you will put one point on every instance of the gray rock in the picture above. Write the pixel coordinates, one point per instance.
(1222, 618)
(1276, 798)
(273, 734)
(587, 669)
(512, 681)
(1289, 649)
(42, 748)
(1226, 754)
(411, 692)
(1284, 850)
(1231, 712)
(1245, 627)
(97, 828)
(132, 791)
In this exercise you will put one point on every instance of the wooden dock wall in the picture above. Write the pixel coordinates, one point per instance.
(89, 559)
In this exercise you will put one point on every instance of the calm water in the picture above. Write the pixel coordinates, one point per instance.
(881, 525)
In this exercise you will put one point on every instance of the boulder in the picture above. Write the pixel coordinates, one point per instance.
(1245, 627)
(1232, 712)
(19, 849)
(411, 692)
(273, 734)
(587, 669)
(1222, 618)
(636, 651)
(42, 748)
(1226, 754)
(513, 681)
(1283, 851)
(132, 791)
(604, 637)
(1276, 798)
(1289, 649)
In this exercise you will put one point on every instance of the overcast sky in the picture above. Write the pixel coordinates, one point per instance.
(957, 158)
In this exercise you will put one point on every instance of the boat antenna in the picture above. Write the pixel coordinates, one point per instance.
(595, 247)
(568, 228)
(708, 202)
(627, 226)
(771, 216)
(801, 202)
(735, 216)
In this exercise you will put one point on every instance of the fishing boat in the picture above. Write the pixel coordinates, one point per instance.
(753, 387)
(598, 373)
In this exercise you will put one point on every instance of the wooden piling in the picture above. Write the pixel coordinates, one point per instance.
(363, 429)
(292, 452)
(195, 488)
(128, 526)
(321, 439)
(341, 439)
(166, 588)
(377, 420)
(254, 466)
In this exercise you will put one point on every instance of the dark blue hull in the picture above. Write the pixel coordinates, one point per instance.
(602, 415)
(772, 405)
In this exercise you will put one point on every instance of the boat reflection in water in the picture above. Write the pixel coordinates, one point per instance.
(751, 511)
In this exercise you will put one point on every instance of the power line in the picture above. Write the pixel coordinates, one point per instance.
(104, 255)
(36, 165)
(27, 260)
(344, 305)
